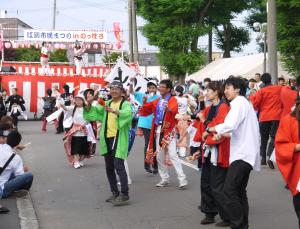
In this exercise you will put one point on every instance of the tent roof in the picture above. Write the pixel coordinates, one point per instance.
(245, 66)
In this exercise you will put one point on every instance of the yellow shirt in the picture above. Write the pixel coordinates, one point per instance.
(112, 126)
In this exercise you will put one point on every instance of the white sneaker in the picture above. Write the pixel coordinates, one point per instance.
(183, 184)
(81, 164)
(162, 183)
(77, 165)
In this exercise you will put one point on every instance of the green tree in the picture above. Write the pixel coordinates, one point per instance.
(113, 57)
(59, 55)
(32, 54)
(175, 27)
(257, 13)
(288, 22)
(229, 37)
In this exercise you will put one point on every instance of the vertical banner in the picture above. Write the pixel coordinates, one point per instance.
(117, 32)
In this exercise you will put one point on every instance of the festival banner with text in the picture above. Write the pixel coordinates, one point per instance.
(64, 35)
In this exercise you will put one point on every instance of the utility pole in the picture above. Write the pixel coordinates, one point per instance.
(54, 14)
(272, 40)
(130, 31)
(134, 32)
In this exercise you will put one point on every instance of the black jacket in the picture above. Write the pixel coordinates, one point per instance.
(16, 99)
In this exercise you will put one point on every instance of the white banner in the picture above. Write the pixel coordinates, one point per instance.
(122, 72)
(64, 35)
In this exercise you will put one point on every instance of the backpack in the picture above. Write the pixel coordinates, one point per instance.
(48, 105)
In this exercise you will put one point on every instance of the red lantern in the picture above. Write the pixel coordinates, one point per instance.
(7, 45)
(56, 46)
(37, 45)
(28, 45)
(62, 46)
(95, 46)
(15, 45)
(22, 45)
(102, 46)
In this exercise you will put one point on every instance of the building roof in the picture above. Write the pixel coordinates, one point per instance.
(8, 22)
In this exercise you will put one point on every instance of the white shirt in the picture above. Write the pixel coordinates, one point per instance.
(77, 118)
(44, 50)
(15, 166)
(241, 121)
(182, 105)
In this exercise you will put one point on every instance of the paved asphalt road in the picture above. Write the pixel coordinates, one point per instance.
(66, 198)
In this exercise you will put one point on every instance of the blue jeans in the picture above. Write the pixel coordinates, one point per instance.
(16, 183)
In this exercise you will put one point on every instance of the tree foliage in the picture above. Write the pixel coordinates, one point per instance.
(288, 22)
(113, 57)
(33, 55)
(174, 27)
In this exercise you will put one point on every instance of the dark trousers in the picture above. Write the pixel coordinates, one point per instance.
(60, 127)
(146, 133)
(235, 194)
(267, 130)
(296, 202)
(212, 183)
(114, 165)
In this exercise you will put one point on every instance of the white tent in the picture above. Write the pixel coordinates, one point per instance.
(245, 66)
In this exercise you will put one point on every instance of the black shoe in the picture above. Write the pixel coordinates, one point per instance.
(3, 210)
(263, 161)
(112, 197)
(208, 220)
(149, 171)
(121, 200)
(223, 224)
(271, 164)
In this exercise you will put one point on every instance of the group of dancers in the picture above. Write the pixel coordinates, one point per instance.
(223, 125)
(78, 51)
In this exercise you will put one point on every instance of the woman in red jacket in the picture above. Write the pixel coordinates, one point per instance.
(287, 149)
(215, 157)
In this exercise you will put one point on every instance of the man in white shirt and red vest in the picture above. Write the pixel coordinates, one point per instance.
(242, 126)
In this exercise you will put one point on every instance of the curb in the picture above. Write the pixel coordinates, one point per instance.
(27, 215)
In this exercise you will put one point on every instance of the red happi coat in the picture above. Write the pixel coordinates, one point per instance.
(288, 99)
(168, 127)
(287, 159)
(224, 143)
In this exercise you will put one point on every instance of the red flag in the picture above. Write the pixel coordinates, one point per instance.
(117, 31)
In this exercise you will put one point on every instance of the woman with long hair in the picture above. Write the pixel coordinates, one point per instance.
(287, 149)
(215, 156)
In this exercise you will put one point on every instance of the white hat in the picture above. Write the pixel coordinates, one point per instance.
(80, 95)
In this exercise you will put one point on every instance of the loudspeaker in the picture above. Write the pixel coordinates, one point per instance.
(8, 69)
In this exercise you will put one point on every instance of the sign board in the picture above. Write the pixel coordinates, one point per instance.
(64, 35)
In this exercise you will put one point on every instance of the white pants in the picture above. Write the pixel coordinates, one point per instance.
(45, 66)
(171, 150)
(78, 64)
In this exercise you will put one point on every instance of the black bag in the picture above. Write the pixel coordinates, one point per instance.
(7, 163)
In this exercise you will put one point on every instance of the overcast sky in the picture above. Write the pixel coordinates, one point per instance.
(86, 14)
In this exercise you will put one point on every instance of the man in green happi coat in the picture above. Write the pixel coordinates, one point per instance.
(116, 118)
